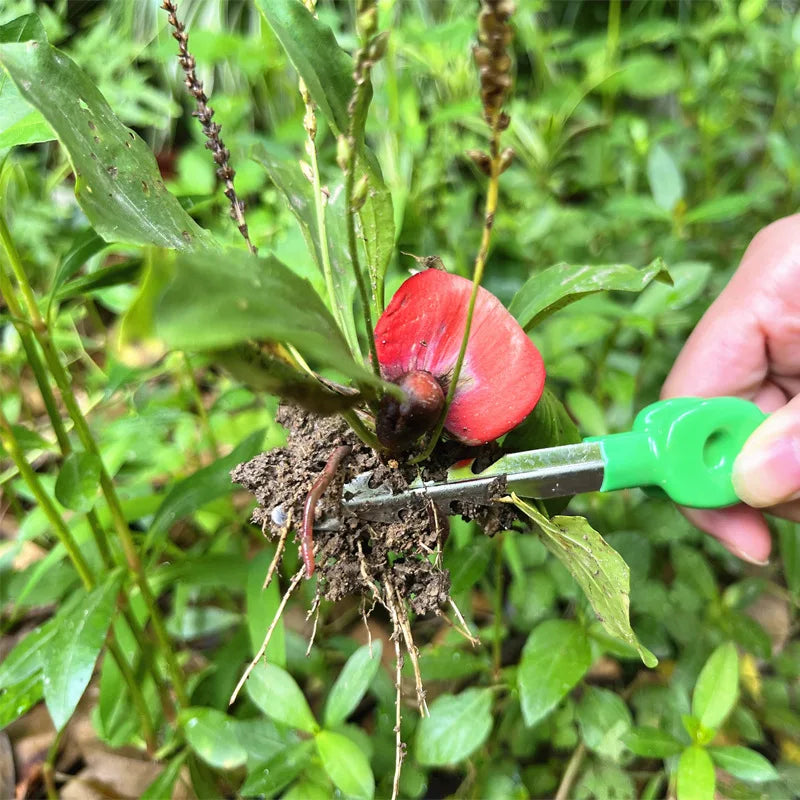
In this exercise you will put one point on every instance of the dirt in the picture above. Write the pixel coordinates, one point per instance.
(353, 556)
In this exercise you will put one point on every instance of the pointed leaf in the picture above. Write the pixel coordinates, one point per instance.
(696, 779)
(352, 683)
(19, 122)
(666, 181)
(261, 607)
(604, 720)
(274, 774)
(78, 481)
(19, 698)
(717, 687)
(652, 743)
(598, 569)
(346, 765)
(162, 786)
(325, 68)
(457, 727)
(275, 692)
(555, 657)
(117, 181)
(299, 196)
(214, 302)
(562, 284)
(69, 657)
(745, 764)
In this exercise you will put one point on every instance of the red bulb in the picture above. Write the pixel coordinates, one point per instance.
(401, 422)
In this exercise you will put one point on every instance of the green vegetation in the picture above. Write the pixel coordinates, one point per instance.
(651, 141)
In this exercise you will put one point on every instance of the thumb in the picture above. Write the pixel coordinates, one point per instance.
(767, 471)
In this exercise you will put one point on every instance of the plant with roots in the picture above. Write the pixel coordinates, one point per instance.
(441, 373)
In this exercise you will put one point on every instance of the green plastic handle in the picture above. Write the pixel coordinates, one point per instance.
(685, 446)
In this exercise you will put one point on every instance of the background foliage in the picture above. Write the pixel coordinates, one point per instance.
(641, 130)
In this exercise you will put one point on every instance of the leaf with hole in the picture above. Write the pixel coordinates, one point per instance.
(598, 569)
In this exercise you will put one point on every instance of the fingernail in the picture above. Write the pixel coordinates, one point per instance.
(767, 473)
(739, 553)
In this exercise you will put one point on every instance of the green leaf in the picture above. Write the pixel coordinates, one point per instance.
(114, 275)
(261, 607)
(215, 302)
(299, 196)
(555, 657)
(648, 75)
(457, 726)
(377, 225)
(264, 368)
(745, 764)
(346, 765)
(469, 563)
(69, 656)
(604, 720)
(548, 425)
(325, 68)
(201, 487)
(279, 771)
(720, 209)
(86, 244)
(212, 735)
(598, 569)
(652, 742)
(275, 692)
(19, 123)
(78, 481)
(717, 687)
(696, 780)
(666, 181)
(26, 657)
(789, 538)
(562, 284)
(162, 786)
(19, 698)
(118, 184)
(352, 683)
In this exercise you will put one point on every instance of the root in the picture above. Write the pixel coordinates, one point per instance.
(317, 490)
(464, 630)
(314, 610)
(261, 650)
(399, 747)
(279, 551)
(397, 609)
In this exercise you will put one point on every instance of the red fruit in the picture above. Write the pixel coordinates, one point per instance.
(503, 373)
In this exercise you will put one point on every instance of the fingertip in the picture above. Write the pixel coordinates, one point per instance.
(742, 530)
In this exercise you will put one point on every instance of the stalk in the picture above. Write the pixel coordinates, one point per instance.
(11, 446)
(40, 374)
(494, 63)
(64, 383)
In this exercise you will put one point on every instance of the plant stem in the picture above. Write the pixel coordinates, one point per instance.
(64, 383)
(361, 430)
(571, 773)
(490, 209)
(34, 358)
(497, 628)
(11, 446)
(201, 409)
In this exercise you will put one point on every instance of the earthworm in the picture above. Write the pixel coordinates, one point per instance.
(317, 490)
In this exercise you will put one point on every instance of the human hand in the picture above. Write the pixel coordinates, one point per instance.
(748, 345)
